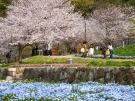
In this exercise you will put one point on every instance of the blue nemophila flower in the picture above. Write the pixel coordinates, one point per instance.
(88, 91)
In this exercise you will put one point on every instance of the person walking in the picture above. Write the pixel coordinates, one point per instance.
(111, 50)
(49, 47)
(8, 56)
(84, 46)
(91, 51)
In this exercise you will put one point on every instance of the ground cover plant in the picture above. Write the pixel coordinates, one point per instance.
(48, 61)
(84, 91)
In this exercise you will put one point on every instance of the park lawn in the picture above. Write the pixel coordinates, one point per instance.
(90, 62)
(45, 59)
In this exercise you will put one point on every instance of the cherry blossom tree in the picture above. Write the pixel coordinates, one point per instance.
(110, 23)
(39, 21)
(30, 22)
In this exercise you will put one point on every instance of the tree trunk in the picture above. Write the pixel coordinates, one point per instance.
(20, 52)
(85, 36)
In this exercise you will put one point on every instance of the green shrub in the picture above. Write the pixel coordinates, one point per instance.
(27, 51)
(1, 78)
(3, 10)
(5, 65)
(2, 7)
(7, 2)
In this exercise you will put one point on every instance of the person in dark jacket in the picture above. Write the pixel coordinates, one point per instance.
(8, 56)
(104, 50)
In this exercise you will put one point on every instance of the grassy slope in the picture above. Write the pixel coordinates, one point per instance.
(128, 50)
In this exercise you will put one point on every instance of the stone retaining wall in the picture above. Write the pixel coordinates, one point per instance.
(121, 75)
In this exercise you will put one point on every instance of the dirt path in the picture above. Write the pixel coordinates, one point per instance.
(73, 56)
(66, 56)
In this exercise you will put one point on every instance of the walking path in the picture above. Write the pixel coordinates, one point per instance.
(77, 57)
(73, 56)
(66, 56)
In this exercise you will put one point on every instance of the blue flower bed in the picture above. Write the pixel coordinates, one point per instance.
(116, 57)
(88, 91)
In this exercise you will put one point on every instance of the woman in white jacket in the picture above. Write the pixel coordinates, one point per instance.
(91, 51)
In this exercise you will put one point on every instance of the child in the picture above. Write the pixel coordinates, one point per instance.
(107, 53)
(91, 51)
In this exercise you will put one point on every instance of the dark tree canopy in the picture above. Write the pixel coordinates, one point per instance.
(86, 7)
(83, 6)
(3, 7)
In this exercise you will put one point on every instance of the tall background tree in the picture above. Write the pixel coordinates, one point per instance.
(108, 18)
(85, 7)
(4, 7)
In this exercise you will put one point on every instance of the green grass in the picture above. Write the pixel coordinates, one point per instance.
(90, 62)
(128, 50)
(112, 63)
(5, 65)
(43, 59)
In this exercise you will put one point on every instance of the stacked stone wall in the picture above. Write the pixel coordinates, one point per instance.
(121, 75)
